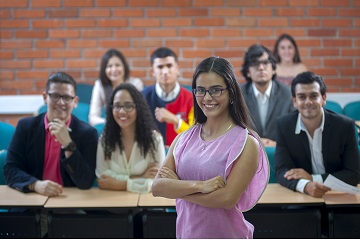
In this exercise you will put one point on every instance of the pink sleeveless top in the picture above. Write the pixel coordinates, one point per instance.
(196, 159)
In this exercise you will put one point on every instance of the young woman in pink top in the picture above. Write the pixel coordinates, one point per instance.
(218, 168)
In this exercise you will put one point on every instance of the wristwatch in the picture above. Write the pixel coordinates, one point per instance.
(71, 147)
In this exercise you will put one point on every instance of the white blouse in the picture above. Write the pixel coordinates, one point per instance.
(120, 168)
(98, 100)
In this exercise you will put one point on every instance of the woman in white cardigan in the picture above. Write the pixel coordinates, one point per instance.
(114, 70)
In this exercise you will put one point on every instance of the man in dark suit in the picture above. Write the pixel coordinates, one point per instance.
(54, 149)
(266, 98)
(314, 142)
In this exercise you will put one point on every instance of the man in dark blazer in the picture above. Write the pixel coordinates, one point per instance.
(54, 149)
(266, 98)
(314, 142)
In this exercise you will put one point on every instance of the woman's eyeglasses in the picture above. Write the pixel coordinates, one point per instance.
(213, 92)
(128, 107)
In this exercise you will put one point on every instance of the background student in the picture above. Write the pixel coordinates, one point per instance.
(114, 70)
(130, 150)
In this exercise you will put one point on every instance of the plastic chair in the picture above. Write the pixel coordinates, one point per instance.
(2, 163)
(270, 151)
(99, 128)
(81, 111)
(352, 110)
(6, 132)
(84, 91)
(188, 87)
(333, 106)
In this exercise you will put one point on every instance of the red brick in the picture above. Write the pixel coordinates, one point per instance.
(269, 3)
(321, 32)
(47, 23)
(350, 52)
(4, 44)
(81, 43)
(353, 89)
(31, 34)
(88, 74)
(324, 52)
(113, 43)
(5, 34)
(5, 13)
(111, 23)
(290, 12)
(144, 23)
(13, 3)
(242, 3)
(350, 71)
(161, 32)
(16, 84)
(258, 32)
(95, 12)
(129, 33)
(208, 3)
(142, 3)
(59, 13)
(111, 3)
(65, 53)
(140, 63)
(326, 71)
(32, 54)
(6, 55)
(177, 22)
(78, 3)
(32, 74)
(210, 43)
(6, 75)
(179, 43)
(228, 32)
(309, 22)
(356, 22)
(48, 63)
(336, 22)
(63, 33)
(349, 32)
(304, 3)
(241, 43)
(29, 13)
(45, 3)
(50, 44)
(195, 12)
(321, 12)
(338, 81)
(93, 53)
(164, 12)
(196, 53)
(356, 3)
(335, 3)
(209, 22)
(81, 63)
(257, 12)
(295, 32)
(337, 42)
(308, 42)
(338, 62)
(92, 33)
(17, 64)
(172, 3)
(241, 22)
(273, 22)
(79, 23)
(229, 53)
(311, 61)
(194, 32)
(146, 43)
(134, 53)
(14, 23)
(128, 13)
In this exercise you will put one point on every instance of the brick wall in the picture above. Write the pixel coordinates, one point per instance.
(39, 37)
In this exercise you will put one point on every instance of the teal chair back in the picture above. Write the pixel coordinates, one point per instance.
(188, 87)
(99, 128)
(2, 163)
(81, 111)
(270, 151)
(352, 110)
(6, 132)
(84, 91)
(333, 106)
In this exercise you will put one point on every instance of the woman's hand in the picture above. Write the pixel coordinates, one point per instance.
(165, 172)
(212, 184)
(150, 172)
(107, 182)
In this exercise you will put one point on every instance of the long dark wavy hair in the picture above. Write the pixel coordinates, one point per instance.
(145, 125)
(296, 58)
(105, 81)
(238, 110)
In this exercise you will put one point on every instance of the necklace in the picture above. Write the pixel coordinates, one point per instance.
(205, 143)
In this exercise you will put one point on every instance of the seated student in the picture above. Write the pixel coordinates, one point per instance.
(266, 98)
(114, 70)
(53, 149)
(130, 150)
(314, 142)
(288, 62)
(170, 104)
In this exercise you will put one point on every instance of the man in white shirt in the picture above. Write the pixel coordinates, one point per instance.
(266, 98)
(314, 142)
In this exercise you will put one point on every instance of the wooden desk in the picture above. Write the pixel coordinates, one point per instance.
(25, 222)
(109, 214)
(344, 214)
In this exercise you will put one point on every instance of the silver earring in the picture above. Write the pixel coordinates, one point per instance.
(231, 102)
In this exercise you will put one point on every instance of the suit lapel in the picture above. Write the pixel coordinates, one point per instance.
(326, 137)
(272, 101)
(253, 108)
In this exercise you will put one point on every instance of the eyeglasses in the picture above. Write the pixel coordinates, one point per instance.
(256, 64)
(55, 97)
(128, 107)
(213, 92)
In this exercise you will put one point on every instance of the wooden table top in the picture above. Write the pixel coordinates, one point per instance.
(93, 198)
(148, 200)
(12, 198)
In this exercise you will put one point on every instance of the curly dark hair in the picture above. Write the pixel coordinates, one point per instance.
(145, 124)
(238, 109)
(296, 58)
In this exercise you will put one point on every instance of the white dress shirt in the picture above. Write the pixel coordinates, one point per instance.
(263, 102)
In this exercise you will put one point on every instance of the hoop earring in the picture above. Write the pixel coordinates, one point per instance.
(231, 102)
